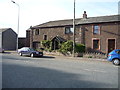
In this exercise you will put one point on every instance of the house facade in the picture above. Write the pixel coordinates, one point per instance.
(8, 39)
(98, 34)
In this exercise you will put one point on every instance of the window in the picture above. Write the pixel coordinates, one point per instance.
(118, 51)
(96, 29)
(37, 32)
(68, 30)
(36, 45)
(96, 44)
(45, 37)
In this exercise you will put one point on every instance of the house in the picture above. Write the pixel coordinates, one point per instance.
(8, 39)
(98, 34)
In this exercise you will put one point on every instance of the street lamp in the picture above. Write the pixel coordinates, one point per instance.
(17, 22)
(74, 32)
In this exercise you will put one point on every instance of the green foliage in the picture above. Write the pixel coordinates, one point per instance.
(47, 44)
(66, 47)
(79, 48)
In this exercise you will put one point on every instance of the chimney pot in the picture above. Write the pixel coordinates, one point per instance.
(85, 15)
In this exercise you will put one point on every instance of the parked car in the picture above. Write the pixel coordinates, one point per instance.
(29, 52)
(114, 57)
(2, 50)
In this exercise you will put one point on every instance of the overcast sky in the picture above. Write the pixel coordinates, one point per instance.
(35, 12)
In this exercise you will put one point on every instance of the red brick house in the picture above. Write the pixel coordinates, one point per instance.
(99, 34)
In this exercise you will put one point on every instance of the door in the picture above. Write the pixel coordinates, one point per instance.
(119, 54)
(111, 45)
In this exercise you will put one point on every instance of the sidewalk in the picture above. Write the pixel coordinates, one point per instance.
(62, 56)
(11, 52)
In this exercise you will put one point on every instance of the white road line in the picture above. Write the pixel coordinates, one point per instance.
(94, 70)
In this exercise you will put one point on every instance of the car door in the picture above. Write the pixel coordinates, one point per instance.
(119, 54)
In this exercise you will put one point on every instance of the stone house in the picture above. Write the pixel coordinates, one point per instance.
(8, 39)
(98, 34)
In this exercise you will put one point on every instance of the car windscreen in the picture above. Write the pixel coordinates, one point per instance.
(31, 49)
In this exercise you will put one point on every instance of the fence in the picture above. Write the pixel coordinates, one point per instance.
(84, 55)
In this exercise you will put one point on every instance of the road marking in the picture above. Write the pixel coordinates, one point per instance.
(94, 70)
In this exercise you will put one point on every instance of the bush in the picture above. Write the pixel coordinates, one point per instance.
(66, 47)
(46, 44)
(79, 48)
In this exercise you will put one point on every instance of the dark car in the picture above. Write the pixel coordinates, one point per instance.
(114, 57)
(29, 52)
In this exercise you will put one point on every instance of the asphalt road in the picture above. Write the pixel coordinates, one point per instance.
(57, 72)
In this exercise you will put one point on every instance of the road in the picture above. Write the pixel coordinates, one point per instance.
(57, 72)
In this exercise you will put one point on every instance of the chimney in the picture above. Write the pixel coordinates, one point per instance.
(85, 15)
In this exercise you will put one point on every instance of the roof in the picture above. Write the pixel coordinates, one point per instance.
(59, 39)
(89, 20)
(4, 29)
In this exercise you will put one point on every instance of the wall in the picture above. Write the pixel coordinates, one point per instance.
(107, 30)
(21, 42)
(84, 35)
(28, 38)
(9, 39)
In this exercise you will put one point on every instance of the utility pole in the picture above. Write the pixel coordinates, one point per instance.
(74, 32)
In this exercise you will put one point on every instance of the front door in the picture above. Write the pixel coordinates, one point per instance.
(111, 45)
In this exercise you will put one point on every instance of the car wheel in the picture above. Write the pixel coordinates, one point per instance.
(20, 54)
(32, 55)
(116, 62)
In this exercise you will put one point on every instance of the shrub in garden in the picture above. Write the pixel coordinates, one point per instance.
(66, 47)
(46, 44)
(79, 48)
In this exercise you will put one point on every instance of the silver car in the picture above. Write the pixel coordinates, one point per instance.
(1, 50)
(29, 52)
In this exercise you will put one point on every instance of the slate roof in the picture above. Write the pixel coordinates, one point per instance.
(89, 20)
(59, 39)
(4, 29)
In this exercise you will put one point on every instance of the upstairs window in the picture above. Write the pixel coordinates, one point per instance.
(37, 32)
(45, 37)
(68, 30)
(96, 29)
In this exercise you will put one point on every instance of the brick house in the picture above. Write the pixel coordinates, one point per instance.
(99, 34)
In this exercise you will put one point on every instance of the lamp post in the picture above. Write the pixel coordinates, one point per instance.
(17, 22)
(74, 32)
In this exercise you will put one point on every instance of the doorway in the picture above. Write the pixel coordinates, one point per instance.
(111, 45)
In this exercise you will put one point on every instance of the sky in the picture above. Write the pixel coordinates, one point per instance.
(35, 12)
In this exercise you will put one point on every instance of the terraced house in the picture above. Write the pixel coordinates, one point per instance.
(98, 34)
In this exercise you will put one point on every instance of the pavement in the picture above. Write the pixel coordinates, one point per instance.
(61, 56)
